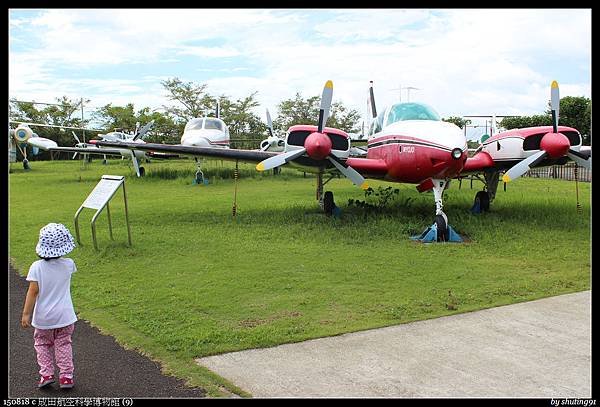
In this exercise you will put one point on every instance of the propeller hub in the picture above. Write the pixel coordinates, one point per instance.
(318, 145)
(555, 145)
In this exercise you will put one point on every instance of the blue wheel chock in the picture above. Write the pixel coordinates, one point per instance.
(430, 235)
(203, 182)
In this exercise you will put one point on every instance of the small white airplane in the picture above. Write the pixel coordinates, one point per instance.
(273, 142)
(115, 136)
(206, 131)
(23, 136)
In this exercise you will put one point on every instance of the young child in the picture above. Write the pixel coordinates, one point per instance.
(53, 315)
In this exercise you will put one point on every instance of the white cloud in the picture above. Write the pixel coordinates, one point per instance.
(463, 61)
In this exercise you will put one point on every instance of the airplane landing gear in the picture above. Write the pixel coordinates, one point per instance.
(441, 223)
(440, 231)
(26, 164)
(484, 198)
(142, 171)
(481, 203)
(199, 176)
(326, 202)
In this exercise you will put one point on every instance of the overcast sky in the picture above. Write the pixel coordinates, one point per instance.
(463, 61)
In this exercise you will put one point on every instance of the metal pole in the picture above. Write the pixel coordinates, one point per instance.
(77, 225)
(94, 228)
(126, 214)
(82, 119)
(109, 221)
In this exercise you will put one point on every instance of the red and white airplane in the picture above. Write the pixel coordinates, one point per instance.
(408, 143)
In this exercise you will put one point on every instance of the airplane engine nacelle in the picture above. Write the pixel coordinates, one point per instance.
(23, 133)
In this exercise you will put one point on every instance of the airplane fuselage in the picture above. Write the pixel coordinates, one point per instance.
(205, 138)
(206, 132)
(416, 150)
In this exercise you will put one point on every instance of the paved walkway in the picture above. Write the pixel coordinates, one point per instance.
(537, 349)
(102, 367)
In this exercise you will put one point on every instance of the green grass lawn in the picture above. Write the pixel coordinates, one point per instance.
(198, 282)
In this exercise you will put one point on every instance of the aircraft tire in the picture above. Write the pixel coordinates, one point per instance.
(142, 171)
(484, 200)
(26, 164)
(328, 203)
(442, 228)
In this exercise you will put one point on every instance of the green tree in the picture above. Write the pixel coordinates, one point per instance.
(576, 112)
(459, 121)
(192, 97)
(573, 112)
(117, 117)
(164, 129)
(246, 128)
(306, 111)
(525, 121)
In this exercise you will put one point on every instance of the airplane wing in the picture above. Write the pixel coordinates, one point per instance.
(479, 162)
(90, 150)
(249, 156)
(41, 142)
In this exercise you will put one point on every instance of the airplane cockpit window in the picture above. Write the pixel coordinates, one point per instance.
(213, 124)
(194, 124)
(411, 111)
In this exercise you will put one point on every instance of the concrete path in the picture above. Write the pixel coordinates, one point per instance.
(534, 349)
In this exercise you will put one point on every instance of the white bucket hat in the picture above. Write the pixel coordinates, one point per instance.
(55, 241)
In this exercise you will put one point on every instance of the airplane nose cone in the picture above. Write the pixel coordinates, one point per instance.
(555, 144)
(318, 146)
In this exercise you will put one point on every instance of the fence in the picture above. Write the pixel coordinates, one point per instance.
(566, 172)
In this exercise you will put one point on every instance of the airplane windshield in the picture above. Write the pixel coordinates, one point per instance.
(411, 111)
(213, 124)
(194, 124)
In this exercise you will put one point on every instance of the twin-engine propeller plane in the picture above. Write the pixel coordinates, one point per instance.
(411, 144)
(408, 143)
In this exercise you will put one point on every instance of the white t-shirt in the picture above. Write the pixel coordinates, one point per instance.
(53, 307)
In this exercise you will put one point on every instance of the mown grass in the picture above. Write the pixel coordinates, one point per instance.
(199, 282)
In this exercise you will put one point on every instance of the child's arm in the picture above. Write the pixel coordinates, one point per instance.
(32, 293)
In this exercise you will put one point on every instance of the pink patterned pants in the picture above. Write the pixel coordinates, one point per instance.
(54, 343)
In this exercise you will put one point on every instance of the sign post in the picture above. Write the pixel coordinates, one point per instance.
(98, 199)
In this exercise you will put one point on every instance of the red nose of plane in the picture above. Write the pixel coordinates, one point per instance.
(318, 145)
(555, 144)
